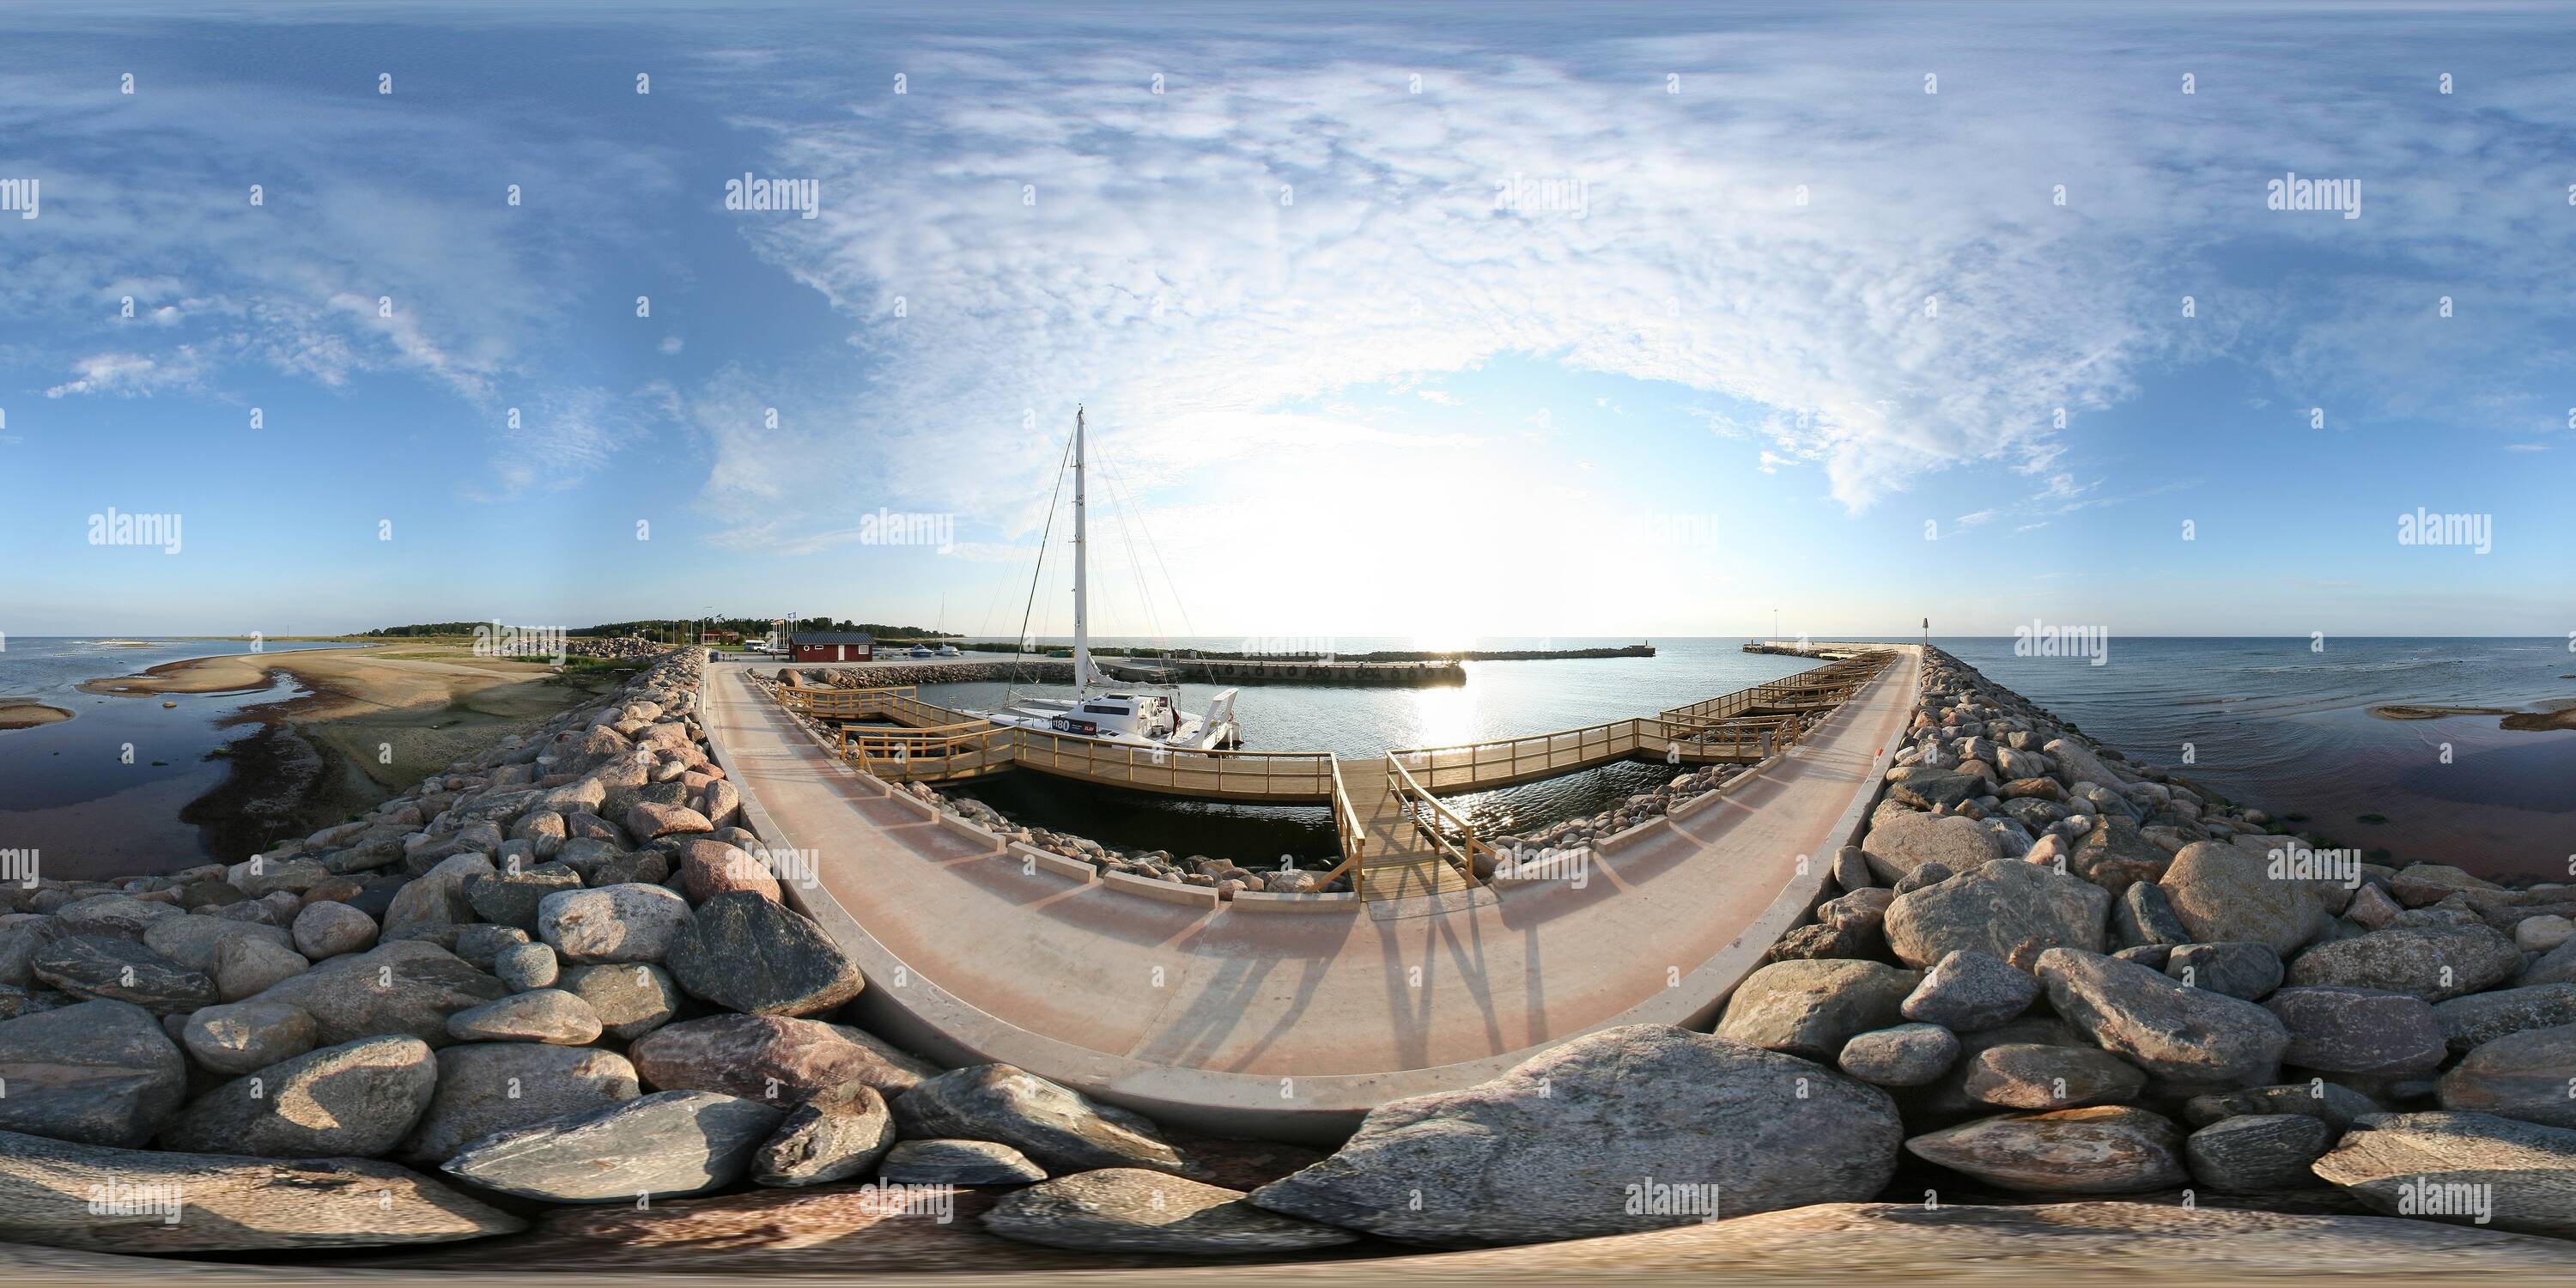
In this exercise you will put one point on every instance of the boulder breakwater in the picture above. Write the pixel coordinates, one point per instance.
(561, 996)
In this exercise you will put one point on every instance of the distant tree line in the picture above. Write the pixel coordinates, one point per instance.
(678, 629)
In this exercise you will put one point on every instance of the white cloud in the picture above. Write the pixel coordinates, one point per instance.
(130, 374)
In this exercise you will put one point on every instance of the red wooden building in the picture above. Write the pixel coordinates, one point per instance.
(832, 646)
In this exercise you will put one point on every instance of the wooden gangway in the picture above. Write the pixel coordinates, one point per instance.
(1397, 837)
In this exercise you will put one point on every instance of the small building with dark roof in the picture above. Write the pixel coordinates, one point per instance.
(832, 646)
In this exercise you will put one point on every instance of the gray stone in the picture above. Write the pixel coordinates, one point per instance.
(116, 916)
(107, 968)
(511, 898)
(489, 1087)
(1928, 874)
(2025, 1075)
(2358, 1030)
(836, 1134)
(2435, 963)
(548, 1015)
(1926, 791)
(2528, 1075)
(614, 923)
(2107, 1149)
(631, 1000)
(1901, 840)
(356, 1100)
(480, 945)
(329, 929)
(2185, 1034)
(1810, 1008)
(2002, 909)
(223, 1204)
(193, 941)
(1125, 1209)
(2407, 1164)
(249, 967)
(2338, 1106)
(1851, 869)
(957, 1162)
(1062, 1129)
(19, 941)
(2115, 857)
(2557, 966)
(2240, 970)
(2223, 894)
(392, 988)
(527, 966)
(97, 1073)
(241, 1037)
(2144, 916)
(1907, 1055)
(750, 954)
(1968, 990)
(2257, 1153)
(436, 899)
(2480, 1018)
(1551, 1149)
(667, 1145)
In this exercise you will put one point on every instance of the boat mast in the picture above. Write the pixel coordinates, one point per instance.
(1083, 674)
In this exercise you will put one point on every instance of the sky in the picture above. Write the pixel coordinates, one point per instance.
(1424, 320)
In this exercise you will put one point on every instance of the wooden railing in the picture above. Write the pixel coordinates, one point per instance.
(1449, 832)
(1348, 830)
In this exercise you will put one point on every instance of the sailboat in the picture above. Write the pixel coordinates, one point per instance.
(1110, 710)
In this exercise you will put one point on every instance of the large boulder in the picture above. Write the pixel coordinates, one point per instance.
(96, 1073)
(2435, 963)
(488, 1087)
(152, 1203)
(2186, 1034)
(117, 916)
(248, 967)
(1968, 990)
(331, 929)
(2223, 894)
(2107, 1149)
(2001, 909)
(776, 1059)
(403, 987)
(192, 941)
(1907, 1055)
(2240, 970)
(1810, 1008)
(2529, 1075)
(2358, 1030)
(1626, 1129)
(2257, 1153)
(2466, 1168)
(711, 868)
(1126, 1209)
(2029, 1075)
(2334, 1104)
(614, 923)
(667, 1145)
(435, 901)
(2480, 1018)
(110, 969)
(956, 1162)
(355, 1100)
(631, 999)
(2114, 856)
(548, 1015)
(748, 953)
(512, 898)
(838, 1133)
(239, 1037)
(1901, 840)
(1064, 1130)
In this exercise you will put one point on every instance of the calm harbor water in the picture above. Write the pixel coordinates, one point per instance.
(2265, 722)
(70, 790)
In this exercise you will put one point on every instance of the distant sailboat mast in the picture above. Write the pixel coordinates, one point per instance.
(1085, 675)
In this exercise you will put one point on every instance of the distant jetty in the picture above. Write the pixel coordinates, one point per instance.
(1208, 666)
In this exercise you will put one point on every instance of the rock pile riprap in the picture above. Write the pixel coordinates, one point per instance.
(561, 974)
(2150, 988)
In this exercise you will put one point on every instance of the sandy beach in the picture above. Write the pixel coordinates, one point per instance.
(373, 720)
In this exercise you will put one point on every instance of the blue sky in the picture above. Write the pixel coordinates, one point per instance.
(1613, 322)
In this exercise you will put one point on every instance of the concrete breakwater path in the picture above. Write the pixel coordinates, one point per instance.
(1247, 1018)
